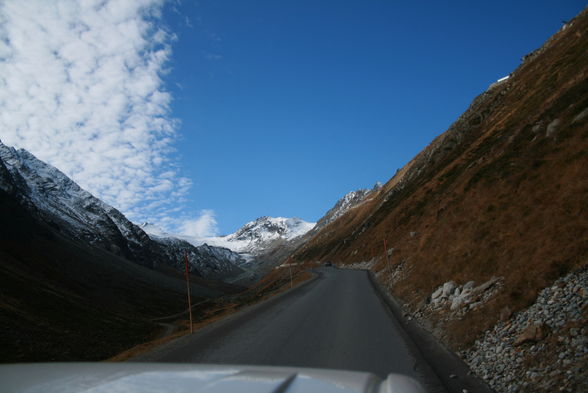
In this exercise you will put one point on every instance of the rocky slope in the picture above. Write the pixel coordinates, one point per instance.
(55, 199)
(349, 201)
(545, 345)
(495, 205)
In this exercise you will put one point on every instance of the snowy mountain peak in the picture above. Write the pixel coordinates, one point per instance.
(272, 227)
(262, 234)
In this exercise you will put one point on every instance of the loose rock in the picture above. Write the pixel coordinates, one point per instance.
(552, 127)
(558, 353)
(533, 333)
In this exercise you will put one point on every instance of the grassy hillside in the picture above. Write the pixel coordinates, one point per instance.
(502, 193)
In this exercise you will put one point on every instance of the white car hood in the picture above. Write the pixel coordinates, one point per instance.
(193, 378)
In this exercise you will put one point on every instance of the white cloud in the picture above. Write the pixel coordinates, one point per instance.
(203, 226)
(81, 88)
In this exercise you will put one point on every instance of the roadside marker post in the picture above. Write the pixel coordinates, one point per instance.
(387, 259)
(188, 286)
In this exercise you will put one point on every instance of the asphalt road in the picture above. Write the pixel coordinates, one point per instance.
(336, 321)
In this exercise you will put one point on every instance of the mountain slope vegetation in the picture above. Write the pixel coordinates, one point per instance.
(501, 194)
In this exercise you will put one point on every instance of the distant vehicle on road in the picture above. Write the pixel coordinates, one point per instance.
(328, 263)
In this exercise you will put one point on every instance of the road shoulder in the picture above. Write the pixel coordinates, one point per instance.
(445, 369)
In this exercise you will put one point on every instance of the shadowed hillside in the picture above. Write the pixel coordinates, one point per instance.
(74, 285)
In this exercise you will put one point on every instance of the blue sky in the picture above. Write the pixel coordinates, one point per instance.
(287, 105)
(199, 116)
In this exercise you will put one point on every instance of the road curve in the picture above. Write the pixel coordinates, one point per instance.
(337, 321)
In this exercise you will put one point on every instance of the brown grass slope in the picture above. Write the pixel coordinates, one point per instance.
(503, 192)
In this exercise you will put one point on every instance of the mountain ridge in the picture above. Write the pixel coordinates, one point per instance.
(56, 199)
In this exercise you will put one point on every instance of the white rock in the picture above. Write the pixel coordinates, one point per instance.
(468, 286)
(581, 116)
(552, 127)
(448, 287)
(456, 303)
(437, 293)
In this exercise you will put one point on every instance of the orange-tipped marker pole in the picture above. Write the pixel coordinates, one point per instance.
(188, 286)
(387, 259)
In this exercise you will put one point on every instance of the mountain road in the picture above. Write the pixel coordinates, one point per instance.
(337, 321)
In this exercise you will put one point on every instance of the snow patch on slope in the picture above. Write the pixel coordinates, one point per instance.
(154, 231)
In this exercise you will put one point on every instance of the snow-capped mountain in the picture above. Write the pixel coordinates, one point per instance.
(274, 238)
(260, 235)
(51, 196)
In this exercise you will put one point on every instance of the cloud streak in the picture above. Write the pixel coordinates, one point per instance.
(81, 88)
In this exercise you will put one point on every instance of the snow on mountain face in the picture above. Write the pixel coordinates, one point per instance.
(154, 231)
(206, 261)
(54, 198)
(262, 234)
(348, 201)
(269, 228)
(73, 209)
(206, 254)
